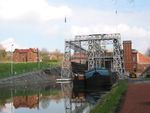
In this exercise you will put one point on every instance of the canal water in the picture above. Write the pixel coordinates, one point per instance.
(56, 98)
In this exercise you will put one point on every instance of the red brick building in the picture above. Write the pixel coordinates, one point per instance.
(25, 55)
(133, 60)
(79, 58)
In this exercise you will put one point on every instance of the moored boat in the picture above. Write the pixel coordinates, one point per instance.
(96, 77)
(100, 77)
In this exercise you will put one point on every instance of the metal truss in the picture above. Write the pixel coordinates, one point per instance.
(72, 105)
(67, 93)
(118, 57)
(94, 47)
(65, 72)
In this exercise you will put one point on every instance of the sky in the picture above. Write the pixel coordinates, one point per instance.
(41, 23)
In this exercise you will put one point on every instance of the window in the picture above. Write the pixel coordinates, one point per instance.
(134, 59)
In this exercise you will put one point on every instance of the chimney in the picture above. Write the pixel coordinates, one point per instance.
(127, 55)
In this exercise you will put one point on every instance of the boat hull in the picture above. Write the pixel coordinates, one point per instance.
(99, 81)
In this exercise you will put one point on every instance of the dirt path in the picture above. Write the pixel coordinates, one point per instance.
(137, 99)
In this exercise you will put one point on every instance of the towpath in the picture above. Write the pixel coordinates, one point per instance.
(137, 98)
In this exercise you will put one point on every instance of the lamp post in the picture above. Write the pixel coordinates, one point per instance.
(38, 58)
(11, 70)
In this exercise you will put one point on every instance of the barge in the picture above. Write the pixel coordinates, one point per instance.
(96, 77)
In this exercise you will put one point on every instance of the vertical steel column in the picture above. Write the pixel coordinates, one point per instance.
(67, 93)
(117, 57)
(66, 68)
(97, 53)
(78, 50)
(91, 61)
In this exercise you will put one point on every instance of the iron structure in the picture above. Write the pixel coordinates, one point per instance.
(94, 48)
(72, 105)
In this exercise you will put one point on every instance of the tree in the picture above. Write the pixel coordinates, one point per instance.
(44, 55)
(59, 55)
(3, 53)
(148, 52)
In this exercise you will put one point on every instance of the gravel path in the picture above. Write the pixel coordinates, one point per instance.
(137, 99)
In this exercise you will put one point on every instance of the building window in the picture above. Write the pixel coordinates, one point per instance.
(134, 59)
(30, 56)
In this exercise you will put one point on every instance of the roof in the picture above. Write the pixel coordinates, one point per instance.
(143, 59)
(146, 70)
(127, 41)
(26, 50)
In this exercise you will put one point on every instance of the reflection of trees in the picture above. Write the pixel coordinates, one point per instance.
(45, 102)
(57, 101)
(148, 52)
(1, 108)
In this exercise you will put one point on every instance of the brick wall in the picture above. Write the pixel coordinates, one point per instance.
(25, 55)
(133, 60)
(127, 56)
(79, 58)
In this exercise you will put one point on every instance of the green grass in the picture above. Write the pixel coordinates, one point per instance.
(110, 102)
(19, 68)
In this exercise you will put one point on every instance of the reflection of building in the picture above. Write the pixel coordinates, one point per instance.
(133, 60)
(25, 55)
(26, 101)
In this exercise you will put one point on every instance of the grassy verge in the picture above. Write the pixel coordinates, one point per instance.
(110, 102)
(19, 68)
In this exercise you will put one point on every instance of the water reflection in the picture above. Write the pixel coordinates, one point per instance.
(80, 99)
(29, 100)
(26, 101)
(58, 98)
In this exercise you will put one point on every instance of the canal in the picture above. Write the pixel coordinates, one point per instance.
(56, 98)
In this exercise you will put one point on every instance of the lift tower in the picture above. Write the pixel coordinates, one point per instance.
(93, 46)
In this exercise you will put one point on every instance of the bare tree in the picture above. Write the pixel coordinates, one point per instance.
(2, 53)
(148, 52)
(44, 54)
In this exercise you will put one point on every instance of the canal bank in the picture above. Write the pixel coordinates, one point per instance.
(48, 75)
(109, 102)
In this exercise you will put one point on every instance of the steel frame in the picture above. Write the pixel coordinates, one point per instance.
(94, 47)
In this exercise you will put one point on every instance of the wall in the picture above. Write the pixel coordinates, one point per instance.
(25, 55)
(127, 56)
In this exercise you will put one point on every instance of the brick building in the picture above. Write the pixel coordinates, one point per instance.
(133, 60)
(25, 55)
(79, 58)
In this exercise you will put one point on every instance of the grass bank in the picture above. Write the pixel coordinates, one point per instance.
(19, 68)
(110, 102)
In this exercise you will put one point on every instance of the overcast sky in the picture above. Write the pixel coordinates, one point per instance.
(41, 23)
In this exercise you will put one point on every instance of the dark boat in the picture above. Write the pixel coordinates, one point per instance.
(96, 77)
(100, 77)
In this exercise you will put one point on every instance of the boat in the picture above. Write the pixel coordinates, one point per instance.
(96, 77)
(100, 77)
